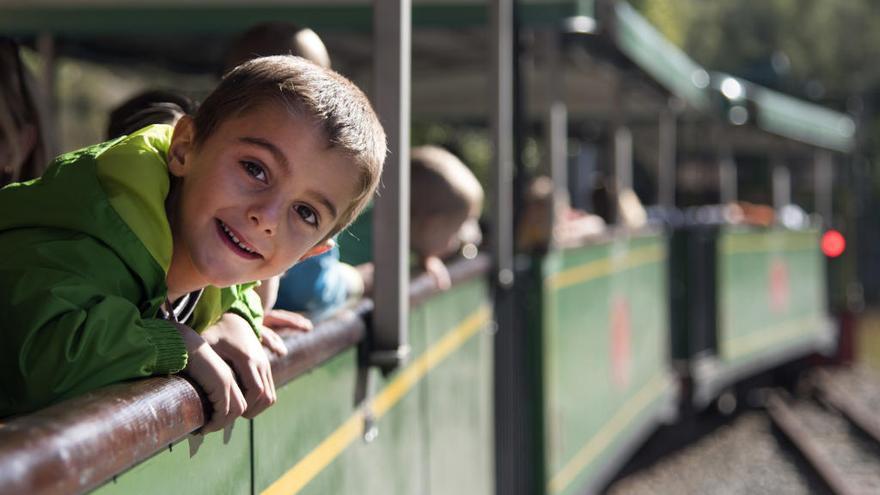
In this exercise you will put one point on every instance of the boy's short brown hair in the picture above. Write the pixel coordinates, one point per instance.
(308, 91)
(442, 184)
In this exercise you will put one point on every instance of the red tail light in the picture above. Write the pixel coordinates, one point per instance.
(833, 243)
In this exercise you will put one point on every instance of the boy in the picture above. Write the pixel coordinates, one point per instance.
(317, 285)
(446, 200)
(280, 157)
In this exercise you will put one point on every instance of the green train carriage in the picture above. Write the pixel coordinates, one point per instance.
(750, 298)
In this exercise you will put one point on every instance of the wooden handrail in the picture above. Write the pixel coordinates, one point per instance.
(330, 337)
(422, 286)
(78, 444)
(75, 445)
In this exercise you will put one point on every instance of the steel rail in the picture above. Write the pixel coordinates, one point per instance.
(856, 413)
(798, 433)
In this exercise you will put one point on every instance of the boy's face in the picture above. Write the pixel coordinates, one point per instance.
(256, 196)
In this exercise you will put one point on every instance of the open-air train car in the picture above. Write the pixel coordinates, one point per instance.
(538, 373)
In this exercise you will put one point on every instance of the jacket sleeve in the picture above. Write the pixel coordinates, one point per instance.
(244, 301)
(71, 323)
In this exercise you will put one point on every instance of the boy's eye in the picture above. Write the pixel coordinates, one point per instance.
(254, 170)
(307, 214)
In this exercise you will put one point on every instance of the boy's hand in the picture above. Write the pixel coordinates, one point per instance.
(216, 379)
(282, 319)
(277, 319)
(437, 270)
(234, 340)
(273, 341)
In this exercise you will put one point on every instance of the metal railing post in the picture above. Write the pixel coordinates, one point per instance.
(727, 175)
(502, 140)
(823, 183)
(781, 185)
(667, 159)
(557, 123)
(392, 46)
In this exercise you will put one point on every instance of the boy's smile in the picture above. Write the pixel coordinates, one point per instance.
(256, 196)
(237, 243)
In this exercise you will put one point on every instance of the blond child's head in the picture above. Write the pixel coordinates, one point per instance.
(282, 155)
(276, 38)
(446, 197)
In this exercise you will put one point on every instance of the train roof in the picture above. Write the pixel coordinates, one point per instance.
(450, 54)
(783, 115)
(85, 28)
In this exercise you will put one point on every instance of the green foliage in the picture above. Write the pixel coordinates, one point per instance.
(671, 17)
(826, 42)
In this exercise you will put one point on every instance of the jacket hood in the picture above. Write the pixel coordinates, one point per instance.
(84, 191)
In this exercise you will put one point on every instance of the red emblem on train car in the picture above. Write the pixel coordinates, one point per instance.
(621, 353)
(779, 286)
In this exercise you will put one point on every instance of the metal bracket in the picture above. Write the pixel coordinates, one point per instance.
(390, 359)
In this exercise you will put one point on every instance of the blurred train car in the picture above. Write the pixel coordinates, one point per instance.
(749, 289)
(539, 373)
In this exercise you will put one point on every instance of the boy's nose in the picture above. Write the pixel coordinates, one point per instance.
(265, 218)
(257, 223)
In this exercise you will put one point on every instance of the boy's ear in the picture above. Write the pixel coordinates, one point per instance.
(181, 145)
(320, 248)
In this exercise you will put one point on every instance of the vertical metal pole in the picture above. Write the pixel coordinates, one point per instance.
(667, 159)
(619, 137)
(392, 35)
(781, 186)
(727, 175)
(623, 158)
(823, 185)
(727, 168)
(518, 446)
(502, 140)
(557, 123)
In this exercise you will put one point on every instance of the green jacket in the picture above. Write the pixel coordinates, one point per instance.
(84, 251)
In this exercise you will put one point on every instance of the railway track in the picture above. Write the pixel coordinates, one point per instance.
(837, 435)
(825, 439)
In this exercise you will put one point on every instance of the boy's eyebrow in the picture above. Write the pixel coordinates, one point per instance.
(323, 200)
(279, 156)
(268, 146)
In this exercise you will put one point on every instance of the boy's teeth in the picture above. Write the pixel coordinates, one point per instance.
(232, 236)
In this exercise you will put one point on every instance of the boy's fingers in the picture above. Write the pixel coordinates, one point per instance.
(270, 386)
(438, 271)
(220, 403)
(238, 404)
(279, 318)
(253, 386)
(229, 406)
(441, 278)
(273, 341)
